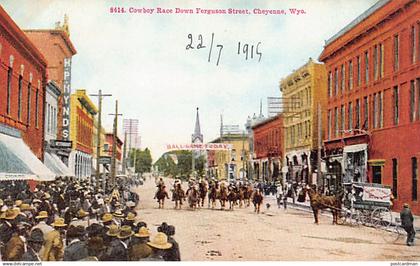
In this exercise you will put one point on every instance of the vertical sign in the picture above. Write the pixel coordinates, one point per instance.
(66, 99)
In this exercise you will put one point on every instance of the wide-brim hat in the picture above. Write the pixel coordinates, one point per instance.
(81, 213)
(36, 236)
(160, 241)
(18, 203)
(130, 216)
(113, 230)
(10, 214)
(59, 222)
(107, 217)
(143, 232)
(42, 214)
(406, 205)
(125, 232)
(25, 207)
(118, 213)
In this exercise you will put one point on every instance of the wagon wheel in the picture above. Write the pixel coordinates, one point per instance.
(381, 218)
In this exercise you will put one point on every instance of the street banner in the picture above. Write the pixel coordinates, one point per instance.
(199, 146)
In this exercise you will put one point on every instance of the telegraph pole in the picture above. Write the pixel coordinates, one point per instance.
(124, 153)
(98, 140)
(319, 176)
(114, 144)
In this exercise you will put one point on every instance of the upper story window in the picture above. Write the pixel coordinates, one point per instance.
(396, 52)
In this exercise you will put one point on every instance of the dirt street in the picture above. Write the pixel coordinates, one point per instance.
(276, 234)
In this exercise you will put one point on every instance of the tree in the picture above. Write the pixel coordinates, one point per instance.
(183, 167)
(143, 160)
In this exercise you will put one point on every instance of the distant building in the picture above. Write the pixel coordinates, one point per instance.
(268, 149)
(109, 143)
(83, 112)
(302, 91)
(373, 112)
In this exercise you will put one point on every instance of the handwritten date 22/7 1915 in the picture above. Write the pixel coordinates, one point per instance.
(246, 50)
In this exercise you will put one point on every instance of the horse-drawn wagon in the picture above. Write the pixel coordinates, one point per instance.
(368, 204)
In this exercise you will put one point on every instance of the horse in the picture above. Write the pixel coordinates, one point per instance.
(193, 197)
(160, 195)
(257, 200)
(247, 191)
(202, 188)
(212, 195)
(320, 202)
(222, 196)
(231, 197)
(178, 196)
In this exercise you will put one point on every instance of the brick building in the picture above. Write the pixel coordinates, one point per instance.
(373, 114)
(57, 48)
(22, 94)
(83, 111)
(108, 146)
(302, 92)
(268, 148)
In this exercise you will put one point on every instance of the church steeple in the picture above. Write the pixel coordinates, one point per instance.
(197, 137)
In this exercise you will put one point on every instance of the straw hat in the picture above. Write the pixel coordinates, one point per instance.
(118, 213)
(25, 207)
(113, 230)
(18, 203)
(10, 214)
(406, 205)
(125, 232)
(160, 241)
(47, 196)
(107, 217)
(1, 202)
(81, 213)
(143, 232)
(58, 222)
(130, 216)
(42, 214)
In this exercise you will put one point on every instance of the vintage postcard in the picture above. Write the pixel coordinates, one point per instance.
(170, 130)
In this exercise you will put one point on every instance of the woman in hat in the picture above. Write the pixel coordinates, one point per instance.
(54, 244)
(138, 248)
(159, 246)
(35, 241)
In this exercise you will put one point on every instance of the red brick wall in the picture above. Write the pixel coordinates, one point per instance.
(391, 141)
(84, 131)
(11, 44)
(110, 140)
(54, 48)
(268, 138)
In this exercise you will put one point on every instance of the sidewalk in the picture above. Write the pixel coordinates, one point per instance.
(305, 206)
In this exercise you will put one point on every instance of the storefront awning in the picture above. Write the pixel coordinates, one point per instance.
(17, 162)
(56, 165)
(355, 148)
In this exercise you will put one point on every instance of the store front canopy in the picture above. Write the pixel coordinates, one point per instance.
(56, 165)
(17, 162)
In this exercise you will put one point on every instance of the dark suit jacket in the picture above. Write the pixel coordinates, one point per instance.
(173, 253)
(75, 251)
(6, 232)
(115, 252)
(30, 255)
(14, 249)
(406, 218)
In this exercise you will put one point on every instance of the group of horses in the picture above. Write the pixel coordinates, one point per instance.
(196, 194)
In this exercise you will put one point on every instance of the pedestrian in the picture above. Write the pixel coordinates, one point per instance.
(407, 223)
(76, 249)
(15, 247)
(34, 245)
(54, 242)
(116, 249)
(95, 242)
(138, 248)
(8, 226)
(172, 254)
(159, 246)
(279, 195)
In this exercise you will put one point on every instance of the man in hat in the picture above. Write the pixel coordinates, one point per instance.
(138, 248)
(95, 242)
(407, 223)
(82, 219)
(8, 225)
(173, 253)
(15, 247)
(159, 246)
(117, 248)
(42, 223)
(34, 245)
(54, 244)
(118, 216)
(76, 248)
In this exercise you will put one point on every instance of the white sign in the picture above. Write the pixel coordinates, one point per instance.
(66, 99)
(199, 146)
(377, 194)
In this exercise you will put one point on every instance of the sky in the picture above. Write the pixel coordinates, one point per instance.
(142, 60)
